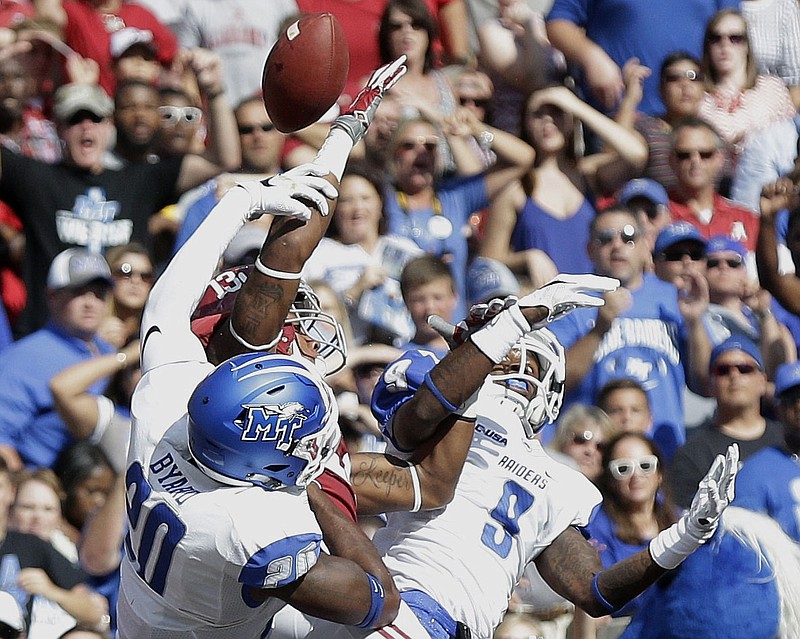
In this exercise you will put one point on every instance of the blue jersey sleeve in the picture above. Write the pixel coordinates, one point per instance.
(397, 385)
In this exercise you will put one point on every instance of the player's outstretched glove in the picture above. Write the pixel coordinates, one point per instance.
(291, 194)
(671, 546)
(566, 292)
(477, 316)
(356, 118)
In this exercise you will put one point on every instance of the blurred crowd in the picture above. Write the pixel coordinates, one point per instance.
(653, 142)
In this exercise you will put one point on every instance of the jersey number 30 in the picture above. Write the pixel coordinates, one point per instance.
(157, 529)
(514, 502)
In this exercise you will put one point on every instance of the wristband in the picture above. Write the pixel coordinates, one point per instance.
(248, 345)
(599, 595)
(501, 334)
(415, 485)
(271, 272)
(376, 605)
(438, 394)
(671, 546)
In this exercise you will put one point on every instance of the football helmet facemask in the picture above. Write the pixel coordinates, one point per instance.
(536, 399)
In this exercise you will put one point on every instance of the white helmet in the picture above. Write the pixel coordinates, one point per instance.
(548, 388)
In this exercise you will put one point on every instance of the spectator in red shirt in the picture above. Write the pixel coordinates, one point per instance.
(697, 159)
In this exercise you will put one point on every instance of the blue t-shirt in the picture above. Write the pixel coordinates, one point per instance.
(28, 419)
(459, 198)
(564, 241)
(645, 343)
(646, 29)
(769, 483)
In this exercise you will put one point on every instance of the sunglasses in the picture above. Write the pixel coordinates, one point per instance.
(677, 256)
(429, 144)
(732, 262)
(586, 436)
(80, 116)
(689, 74)
(733, 38)
(247, 129)
(705, 154)
(628, 235)
(171, 115)
(625, 467)
(125, 272)
(723, 370)
(478, 102)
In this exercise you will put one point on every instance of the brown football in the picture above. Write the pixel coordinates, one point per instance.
(305, 72)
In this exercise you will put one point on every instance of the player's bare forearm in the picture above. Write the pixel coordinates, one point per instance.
(456, 377)
(345, 539)
(569, 564)
(382, 483)
(336, 589)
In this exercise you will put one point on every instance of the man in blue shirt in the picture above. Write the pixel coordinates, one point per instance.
(646, 331)
(31, 432)
(770, 480)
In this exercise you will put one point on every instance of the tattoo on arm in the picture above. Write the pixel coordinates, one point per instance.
(257, 307)
(381, 475)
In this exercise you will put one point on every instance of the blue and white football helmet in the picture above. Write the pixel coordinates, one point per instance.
(548, 388)
(264, 420)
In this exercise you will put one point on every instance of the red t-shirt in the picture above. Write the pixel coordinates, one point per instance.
(727, 218)
(89, 33)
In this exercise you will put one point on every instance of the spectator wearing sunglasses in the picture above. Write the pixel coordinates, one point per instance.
(738, 383)
(645, 331)
(679, 249)
(739, 307)
(581, 437)
(698, 159)
(635, 508)
(540, 225)
(740, 101)
(134, 273)
(681, 89)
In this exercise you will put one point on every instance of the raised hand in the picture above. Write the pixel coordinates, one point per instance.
(713, 495)
(566, 292)
(356, 118)
(292, 194)
(478, 315)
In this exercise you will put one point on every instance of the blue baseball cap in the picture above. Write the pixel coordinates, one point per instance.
(787, 377)
(678, 232)
(646, 188)
(720, 243)
(488, 278)
(737, 343)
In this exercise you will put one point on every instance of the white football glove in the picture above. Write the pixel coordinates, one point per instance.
(477, 316)
(566, 292)
(356, 118)
(294, 193)
(698, 524)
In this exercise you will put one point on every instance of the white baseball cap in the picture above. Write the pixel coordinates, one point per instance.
(76, 267)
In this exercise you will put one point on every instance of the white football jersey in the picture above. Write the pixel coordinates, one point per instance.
(512, 500)
(195, 547)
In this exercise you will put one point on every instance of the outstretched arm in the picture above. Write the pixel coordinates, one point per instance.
(784, 288)
(571, 566)
(264, 300)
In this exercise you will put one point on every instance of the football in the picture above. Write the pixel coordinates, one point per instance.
(305, 71)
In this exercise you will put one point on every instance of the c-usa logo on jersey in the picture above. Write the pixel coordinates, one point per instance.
(272, 423)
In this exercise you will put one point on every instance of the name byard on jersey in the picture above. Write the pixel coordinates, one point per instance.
(171, 479)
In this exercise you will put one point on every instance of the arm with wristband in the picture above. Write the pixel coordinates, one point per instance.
(427, 422)
(264, 300)
(572, 567)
